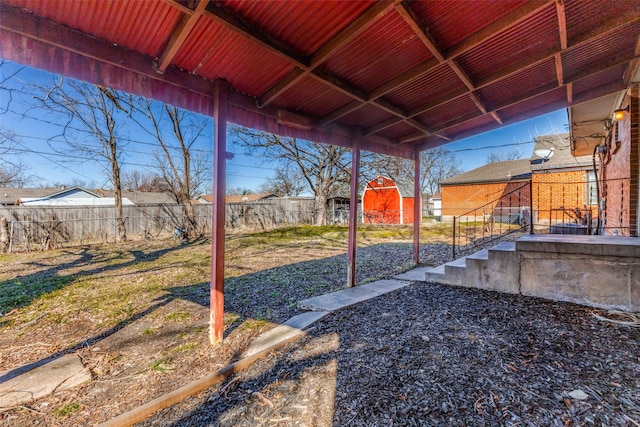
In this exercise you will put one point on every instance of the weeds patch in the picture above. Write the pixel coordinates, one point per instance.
(65, 410)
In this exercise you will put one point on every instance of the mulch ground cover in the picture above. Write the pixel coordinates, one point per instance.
(437, 355)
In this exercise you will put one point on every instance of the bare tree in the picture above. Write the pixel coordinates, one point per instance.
(285, 183)
(137, 180)
(437, 165)
(322, 165)
(183, 171)
(100, 111)
(238, 191)
(12, 169)
(496, 156)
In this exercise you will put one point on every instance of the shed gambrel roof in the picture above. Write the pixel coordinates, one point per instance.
(494, 172)
(405, 188)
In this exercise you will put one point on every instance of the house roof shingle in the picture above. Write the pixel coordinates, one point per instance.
(523, 168)
(494, 172)
(561, 158)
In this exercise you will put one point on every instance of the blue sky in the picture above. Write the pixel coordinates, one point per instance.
(34, 131)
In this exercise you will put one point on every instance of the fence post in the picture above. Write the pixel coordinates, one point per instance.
(531, 231)
(454, 237)
(11, 237)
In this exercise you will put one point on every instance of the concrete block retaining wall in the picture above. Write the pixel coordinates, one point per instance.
(599, 271)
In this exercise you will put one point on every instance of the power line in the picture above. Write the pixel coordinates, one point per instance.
(459, 150)
(45, 155)
(128, 151)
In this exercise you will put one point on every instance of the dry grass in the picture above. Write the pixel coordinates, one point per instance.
(137, 313)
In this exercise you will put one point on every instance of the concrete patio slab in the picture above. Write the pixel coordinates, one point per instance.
(346, 297)
(60, 374)
(417, 274)
(284, 332)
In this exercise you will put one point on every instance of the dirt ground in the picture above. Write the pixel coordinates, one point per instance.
(137, 315)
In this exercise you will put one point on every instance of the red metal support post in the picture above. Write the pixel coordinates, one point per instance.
(216, 329)
(417, 209)
(353, 208)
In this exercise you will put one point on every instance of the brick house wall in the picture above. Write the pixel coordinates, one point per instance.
(556, 195)
(619, 172)
(460, 199)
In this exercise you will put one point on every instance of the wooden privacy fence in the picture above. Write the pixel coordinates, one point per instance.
(47, 227)
(28, 228)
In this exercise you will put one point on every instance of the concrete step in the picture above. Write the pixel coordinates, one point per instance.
(455, 271)
(504, 247)
(495, 268)
(435, 274)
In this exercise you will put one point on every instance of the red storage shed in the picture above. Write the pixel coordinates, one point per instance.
(386, 201)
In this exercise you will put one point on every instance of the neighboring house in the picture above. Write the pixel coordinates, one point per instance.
(245, 198)
(78, 196)
(74, 196)
(385, 201)
(434, 204)
(484, 186)
(562, 187)
(139, 198)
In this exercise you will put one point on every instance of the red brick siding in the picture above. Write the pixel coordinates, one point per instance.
(620, 175)
(460, 199)
(553, 191)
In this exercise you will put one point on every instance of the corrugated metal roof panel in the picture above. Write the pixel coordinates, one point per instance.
(449, 112)
(213, 51)
(611, 75)
(398, 130)
(378, 54)
(519, 85)
(593, 55)
(366, 116)
(584, 16)
(548, 101)
(312, 97)
(305, 26)
(142, 26)
(528, 39)
(450, 24)
(439, 81)
(430, 142)
(461, 129)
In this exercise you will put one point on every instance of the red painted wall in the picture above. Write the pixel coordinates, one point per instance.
(382, 204)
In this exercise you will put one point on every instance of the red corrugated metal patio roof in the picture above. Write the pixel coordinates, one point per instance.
(410, 75)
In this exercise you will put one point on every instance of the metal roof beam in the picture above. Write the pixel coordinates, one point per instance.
(233, 23)
(180, 34)
(531, 62)
(603, 90)
(509, 20)
(504, 23)
(364, 21)
(308, 67)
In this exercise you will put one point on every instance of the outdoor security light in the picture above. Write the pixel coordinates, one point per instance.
(619, 114)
